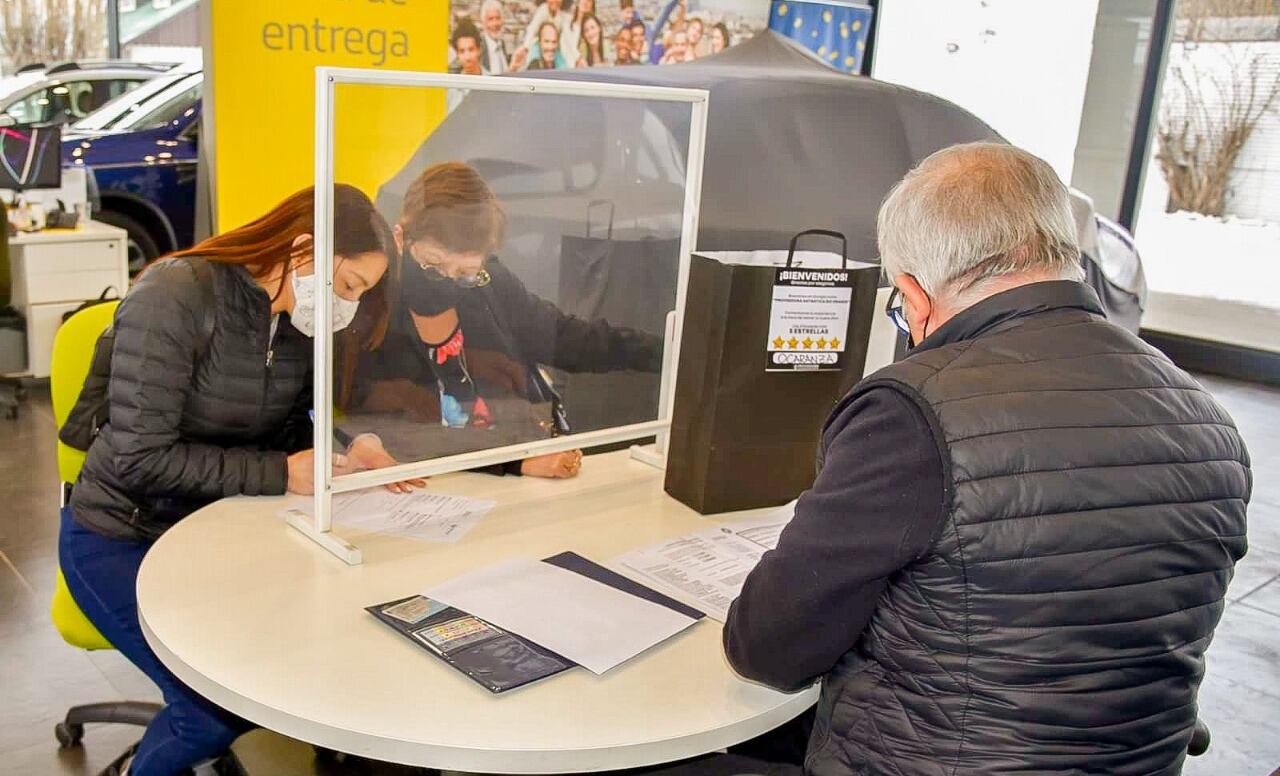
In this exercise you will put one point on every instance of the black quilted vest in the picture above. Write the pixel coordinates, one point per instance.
(1095, 508)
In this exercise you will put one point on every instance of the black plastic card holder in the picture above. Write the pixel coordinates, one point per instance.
(496, 659)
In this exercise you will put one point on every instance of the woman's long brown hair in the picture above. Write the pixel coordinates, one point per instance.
(267, 245)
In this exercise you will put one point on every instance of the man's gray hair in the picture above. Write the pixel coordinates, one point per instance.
(972, 213)
(489, 5)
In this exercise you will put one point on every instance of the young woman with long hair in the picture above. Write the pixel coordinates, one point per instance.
(720, 38)
(209, 396)
(591, 50)
(571, 39)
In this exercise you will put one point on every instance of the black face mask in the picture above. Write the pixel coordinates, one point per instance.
(427, 292)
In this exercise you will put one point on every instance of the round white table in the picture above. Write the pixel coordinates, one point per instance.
(254, 616)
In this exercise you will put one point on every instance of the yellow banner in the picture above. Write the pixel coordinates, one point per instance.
(261, 56)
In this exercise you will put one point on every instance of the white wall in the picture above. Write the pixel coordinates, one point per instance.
(1020, 65)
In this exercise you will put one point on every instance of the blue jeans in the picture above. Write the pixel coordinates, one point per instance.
(102, 575)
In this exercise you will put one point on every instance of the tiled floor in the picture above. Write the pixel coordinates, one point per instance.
(1240, 697)
(40, 676)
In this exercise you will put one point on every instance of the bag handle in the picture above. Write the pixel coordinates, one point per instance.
(844, 244)
(593, 203)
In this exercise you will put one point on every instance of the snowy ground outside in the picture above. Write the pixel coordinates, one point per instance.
(1195, 255)
(1189, 254)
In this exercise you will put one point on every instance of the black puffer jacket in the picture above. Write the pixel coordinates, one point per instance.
(181, 434)
(503, 322)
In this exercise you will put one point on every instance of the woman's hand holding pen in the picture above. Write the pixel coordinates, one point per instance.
(366, 452)
(302, 471)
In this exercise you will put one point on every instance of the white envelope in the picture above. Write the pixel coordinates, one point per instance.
(592, 624)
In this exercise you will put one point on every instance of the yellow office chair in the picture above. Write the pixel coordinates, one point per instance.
(72, 351)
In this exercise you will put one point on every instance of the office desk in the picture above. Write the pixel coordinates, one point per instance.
(56, 270)
(262, 621)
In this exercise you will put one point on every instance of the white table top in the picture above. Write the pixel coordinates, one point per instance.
(256, 617)
(89, 230)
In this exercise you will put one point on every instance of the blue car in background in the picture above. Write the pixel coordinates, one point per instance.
(142, 150)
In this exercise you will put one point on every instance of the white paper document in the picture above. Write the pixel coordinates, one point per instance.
(422, 514)
(706, 569)
(766, 529)
(592, 624)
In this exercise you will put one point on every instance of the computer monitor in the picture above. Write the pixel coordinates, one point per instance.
(30, 157)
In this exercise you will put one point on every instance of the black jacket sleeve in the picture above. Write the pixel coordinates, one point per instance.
(157, 329)
(547, 335)
(874, 509)
(297, 433)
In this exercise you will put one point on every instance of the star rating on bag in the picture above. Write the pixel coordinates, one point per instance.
(808, 343)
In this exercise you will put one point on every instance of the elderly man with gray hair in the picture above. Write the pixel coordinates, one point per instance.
(493, 49)
(1018, 543)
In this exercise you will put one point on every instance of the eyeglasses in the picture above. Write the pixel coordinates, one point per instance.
(478, 279)
(893, 309)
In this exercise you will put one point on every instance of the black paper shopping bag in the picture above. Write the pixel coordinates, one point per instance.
(743, 436)
(630, 283)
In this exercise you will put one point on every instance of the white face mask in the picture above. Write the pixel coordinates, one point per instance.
(302, 316)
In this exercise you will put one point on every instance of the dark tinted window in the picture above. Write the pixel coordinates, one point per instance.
(69, 101)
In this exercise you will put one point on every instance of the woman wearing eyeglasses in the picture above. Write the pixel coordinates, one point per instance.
(479, 333)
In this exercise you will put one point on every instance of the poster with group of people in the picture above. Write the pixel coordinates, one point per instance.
(492, 37)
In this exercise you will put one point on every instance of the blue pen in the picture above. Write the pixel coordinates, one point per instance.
(342, 438)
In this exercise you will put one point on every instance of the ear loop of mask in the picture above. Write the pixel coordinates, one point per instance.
(911, 338)
(924, 328)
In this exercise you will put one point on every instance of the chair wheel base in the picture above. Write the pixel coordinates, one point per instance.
(68, 734)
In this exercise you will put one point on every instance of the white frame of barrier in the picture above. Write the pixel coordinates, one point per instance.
(319, 525)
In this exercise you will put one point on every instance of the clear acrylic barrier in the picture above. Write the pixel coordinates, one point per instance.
(535, 279)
